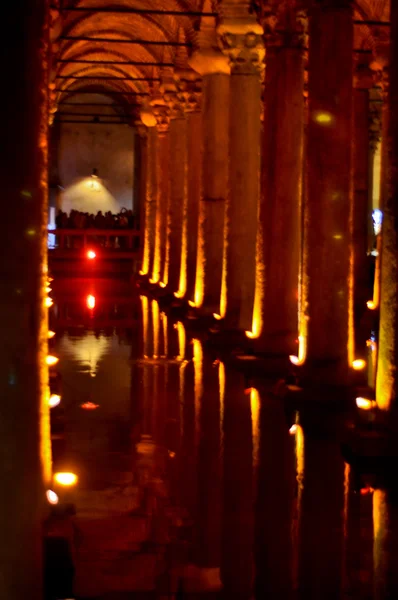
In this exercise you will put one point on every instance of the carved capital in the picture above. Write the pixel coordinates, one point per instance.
(284, 25)
(162, 116)
(364, 77)
(189, 92)
(241, 38)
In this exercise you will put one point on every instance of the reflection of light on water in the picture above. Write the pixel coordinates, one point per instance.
(88, 351)
(255, 411)
(198, 381)
(221, 387)
(165, 334)
(181, 340)
(156, 326)
(145, 318)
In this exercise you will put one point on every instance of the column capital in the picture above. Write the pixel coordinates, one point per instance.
(162, 116)
(241, 38)
(364, 77)
(284, 25)
(207, 58)
(190, 91)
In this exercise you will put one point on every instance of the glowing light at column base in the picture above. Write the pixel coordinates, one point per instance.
(52, 497)
(365, 403)
(192, 304)
(371, 305)
(48, 302)
(358, 364)
(54, 400)
(51, 334)
(66, 479)
(90, 300)
(181, 340)
(162, 284)
(302, 352)
(217, 317)
(91, 255)
(293, 429)
(51, 360)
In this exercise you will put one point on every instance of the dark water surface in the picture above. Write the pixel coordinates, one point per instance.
(192, 480)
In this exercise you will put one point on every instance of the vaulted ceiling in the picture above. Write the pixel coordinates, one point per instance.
(135, 41)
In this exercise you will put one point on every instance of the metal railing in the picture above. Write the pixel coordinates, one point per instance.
(112, 239)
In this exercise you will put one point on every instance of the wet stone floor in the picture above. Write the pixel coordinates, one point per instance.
(196, 478)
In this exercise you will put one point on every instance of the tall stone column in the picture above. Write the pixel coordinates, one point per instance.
(386, 380)
(282, 175)
(140, 175)
(161, 112)
(151, 191)
(214, 68)
(361, 206)
(195, 157)
(178, 197)
(329, 197)
(241, 37)
(23, 250)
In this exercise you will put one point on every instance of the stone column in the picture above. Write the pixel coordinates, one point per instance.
(24, 417)
(241, 37)
(178, 197)
(361, 206)
(328, 244)
(151, 190)
(140, 175)
(161, 112)
(280, 209)
(386, 379)
(195, 157)
(214, 68)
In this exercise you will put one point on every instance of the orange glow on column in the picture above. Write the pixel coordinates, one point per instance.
(199, 281)
(257, 324)
(48, 302)
(365, 403)
(358, 364)
(91, 254)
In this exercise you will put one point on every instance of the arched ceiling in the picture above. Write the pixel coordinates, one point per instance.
(153, 34)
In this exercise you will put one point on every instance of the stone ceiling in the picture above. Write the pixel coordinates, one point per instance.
(153, 58)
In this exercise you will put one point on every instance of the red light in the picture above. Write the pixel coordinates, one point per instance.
(89, 405)
(91, 254)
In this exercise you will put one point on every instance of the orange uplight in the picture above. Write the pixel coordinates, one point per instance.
(217, 316)
(52, 497)
(51, 360)
(51, 334)
(365, 403)
(302, 351)
(192, 303)
(48, 290)
(89, 406)
(66, 479)
(162, 284)
(90, 301)
(293, 429)
(358, 364)
(371, 305)
(91, 254)
(54, 400)
(48, 302)
(366, 490)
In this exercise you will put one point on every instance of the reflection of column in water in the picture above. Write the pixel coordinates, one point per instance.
(165, 333)
(188, 488)
(156, 328)
(207, 425)
(274, 507)
(385, 545)
(358, 538)
(321, 519)
(296, 524)
(145, 325)
(237, 525)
